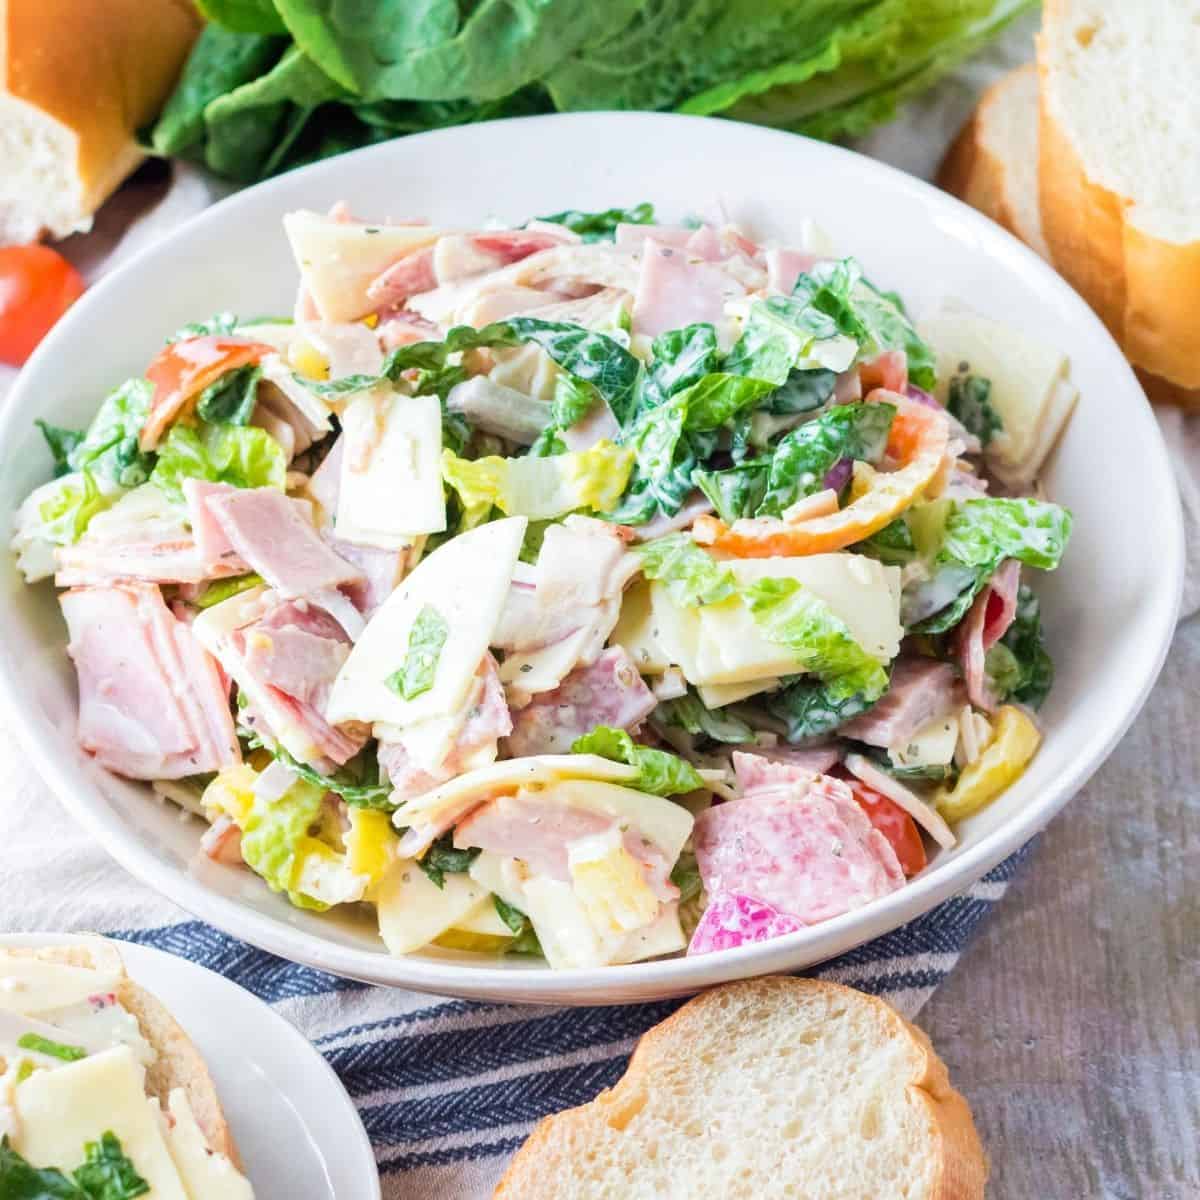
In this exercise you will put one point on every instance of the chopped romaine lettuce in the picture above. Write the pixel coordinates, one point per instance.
(525, 939)
(685, 875)
(735, 491)
(659, 773)
(540, 488)
(106, 1173)
(219, 324)
(692, 576)
(679, 358)
(443, 858)
(986, 531)
(61, 442)
(892, 545)
(110, 446)
(601, 226)
(790, 615)
(810, 711)
(1018, 665)
(690, 714)
(244, 456)
(271, 834)
(425, 641)
(72, 502)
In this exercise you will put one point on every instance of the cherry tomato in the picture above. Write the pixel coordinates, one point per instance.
(184, 369)
(37, 285)
(895, 825)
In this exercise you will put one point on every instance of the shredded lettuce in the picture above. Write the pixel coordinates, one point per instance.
(659, 773)
(106, 1173)
(790, 615)
(426, 639)
(602, 226)
(244, 456)
(691, 575)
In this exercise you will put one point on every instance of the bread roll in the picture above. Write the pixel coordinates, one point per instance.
(78, 78)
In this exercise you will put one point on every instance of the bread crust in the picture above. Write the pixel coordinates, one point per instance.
(960, 1165)
(1146, 290)
(179, 1064)
(103, 80)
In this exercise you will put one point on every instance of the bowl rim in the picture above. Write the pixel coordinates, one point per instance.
(678, 975)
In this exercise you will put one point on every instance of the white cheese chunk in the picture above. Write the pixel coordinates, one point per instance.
(34, 985)
(635, 631)
(930, 746)
(391, 476)
(338, 259)
(206, 1174)
(413, 910)
(717, 695)
(466, 583)
(60, 1110)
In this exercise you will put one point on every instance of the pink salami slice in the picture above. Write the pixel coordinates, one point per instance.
(734, 920)
(811, 852)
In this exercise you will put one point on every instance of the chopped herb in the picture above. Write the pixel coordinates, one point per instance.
(60, 1050)
(444, 858)
(425, 641)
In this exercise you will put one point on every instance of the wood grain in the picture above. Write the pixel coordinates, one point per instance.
(1072, 1023)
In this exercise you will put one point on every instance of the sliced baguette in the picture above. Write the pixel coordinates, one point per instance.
(992, 164)
(178, 1064)
(1119, 170)
(775, 1087)
(78, 78)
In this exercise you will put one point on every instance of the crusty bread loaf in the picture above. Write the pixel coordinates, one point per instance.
(992, 164)
(179, 1064)
(774, 1087)
(78, 78)
(1119, 170)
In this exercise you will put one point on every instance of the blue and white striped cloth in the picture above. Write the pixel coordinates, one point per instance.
(448, 1089)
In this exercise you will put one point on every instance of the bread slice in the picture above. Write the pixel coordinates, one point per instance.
(178, 1064)
(992, 164)
(775, 1087)
(1119, 170)
(78, 78)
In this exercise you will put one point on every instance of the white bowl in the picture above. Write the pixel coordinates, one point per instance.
(1110, 609)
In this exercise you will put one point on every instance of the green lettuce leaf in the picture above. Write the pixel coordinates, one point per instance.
(792, 616)
(984, 532)
(220, 324)
(1018, 665)
(685, 875)
(106, 1172)
(785, 333)
(893, 545)
(969, 399)
(361, 782)
(243, 16)
(679, 358)
(692, 576)
(804, 390)
(425, 641)
(61, 443)
(69, 507)
(735, 491)
(659, 773)
(244, 456)
(602, 226)
(271, 834)
(525, 939)
(224, 589)
(231, 399)
(810, 711)
(690, 714)
(110, 446)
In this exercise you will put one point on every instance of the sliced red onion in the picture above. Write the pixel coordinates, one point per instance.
(838, 475)
(921, 396)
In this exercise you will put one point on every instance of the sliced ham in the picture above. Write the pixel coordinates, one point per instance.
(213, 544)
(404, 328)
(987, 622)
(276, 536)
(785, 266)
(634, 237)
(144, 537)
(486, 719)
(675, 290)
(152, 702)
(809, 852)
(410, 276)
(539, 831)
(921, 689)
(764, 771)
(381, 570)
(607, 692)
(298, 649)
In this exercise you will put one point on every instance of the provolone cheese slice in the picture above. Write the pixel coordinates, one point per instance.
(413, 910)
(33, 985)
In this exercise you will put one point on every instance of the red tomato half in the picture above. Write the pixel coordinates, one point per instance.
(184, 369)
(895, 825)
(37, 285)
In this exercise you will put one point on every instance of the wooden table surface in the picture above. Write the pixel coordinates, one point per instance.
(1072, 1022)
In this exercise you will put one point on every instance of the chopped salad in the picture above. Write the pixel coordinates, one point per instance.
(599, 588)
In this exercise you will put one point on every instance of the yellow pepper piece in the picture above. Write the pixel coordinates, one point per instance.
(309, 361)
(478, 943)
(370, 843)
(230, 794)
(371, 320)
(1015, 739)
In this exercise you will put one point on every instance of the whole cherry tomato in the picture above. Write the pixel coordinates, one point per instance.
(37, 285)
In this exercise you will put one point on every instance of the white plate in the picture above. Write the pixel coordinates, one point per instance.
(295, 1127)
(1109, 610)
